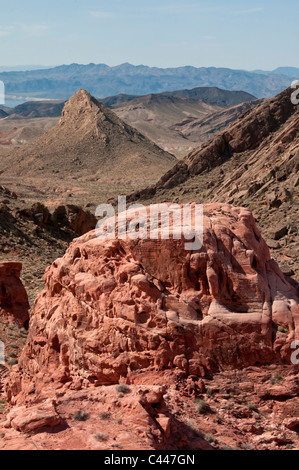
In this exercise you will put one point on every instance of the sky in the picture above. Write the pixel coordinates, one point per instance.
(164, 33)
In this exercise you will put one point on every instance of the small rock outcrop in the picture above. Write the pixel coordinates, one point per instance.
(114, 308)
(14, 304)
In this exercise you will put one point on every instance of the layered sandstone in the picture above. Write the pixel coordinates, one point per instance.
(112, 309)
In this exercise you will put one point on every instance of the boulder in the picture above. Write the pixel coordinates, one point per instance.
(112, 309)
(33, 419)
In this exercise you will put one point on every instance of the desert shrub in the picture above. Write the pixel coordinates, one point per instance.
(105, 416)
(282, 329)
(81, 416)
(246, 446)
(201, 406)
(229, 406)
(101, 437)
(275, 378)
(122, 388)
(117, 446)
(252, 407)
(210, 439)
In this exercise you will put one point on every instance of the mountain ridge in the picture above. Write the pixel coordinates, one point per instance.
(61, 82)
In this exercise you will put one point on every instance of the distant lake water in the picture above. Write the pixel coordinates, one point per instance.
(12, 103)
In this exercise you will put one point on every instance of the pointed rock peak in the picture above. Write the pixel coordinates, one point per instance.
(80, 105)
(81, 95)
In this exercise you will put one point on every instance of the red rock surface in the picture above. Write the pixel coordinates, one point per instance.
(14, 304)
(114, 309)
(169, 417)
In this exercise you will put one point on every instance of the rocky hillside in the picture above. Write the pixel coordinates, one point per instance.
(254, 163)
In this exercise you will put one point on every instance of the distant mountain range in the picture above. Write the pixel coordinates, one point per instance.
(292, 72)
(63, 81)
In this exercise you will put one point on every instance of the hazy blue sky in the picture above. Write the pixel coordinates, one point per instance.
(232, 33)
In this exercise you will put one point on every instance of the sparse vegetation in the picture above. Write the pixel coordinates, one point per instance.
(81, 416)
(275, 378)
(229, 406)
(124, 389)
(101, 437)
(283, 329)
(105, 416)
(117, 446)
(252, 407)
(12, 355)
(210, 439)
(201, 406)
(246, 446)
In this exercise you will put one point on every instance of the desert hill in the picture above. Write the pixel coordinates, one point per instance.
(253, 163)
(3, 114)
(179, 124)
(90, 142)
(37, 109)
(210, 95)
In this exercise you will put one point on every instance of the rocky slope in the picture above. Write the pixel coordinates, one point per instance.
(254, 163)
(202, 130)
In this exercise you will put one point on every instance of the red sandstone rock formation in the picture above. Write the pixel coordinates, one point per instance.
(112, 309)
(14, 304)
